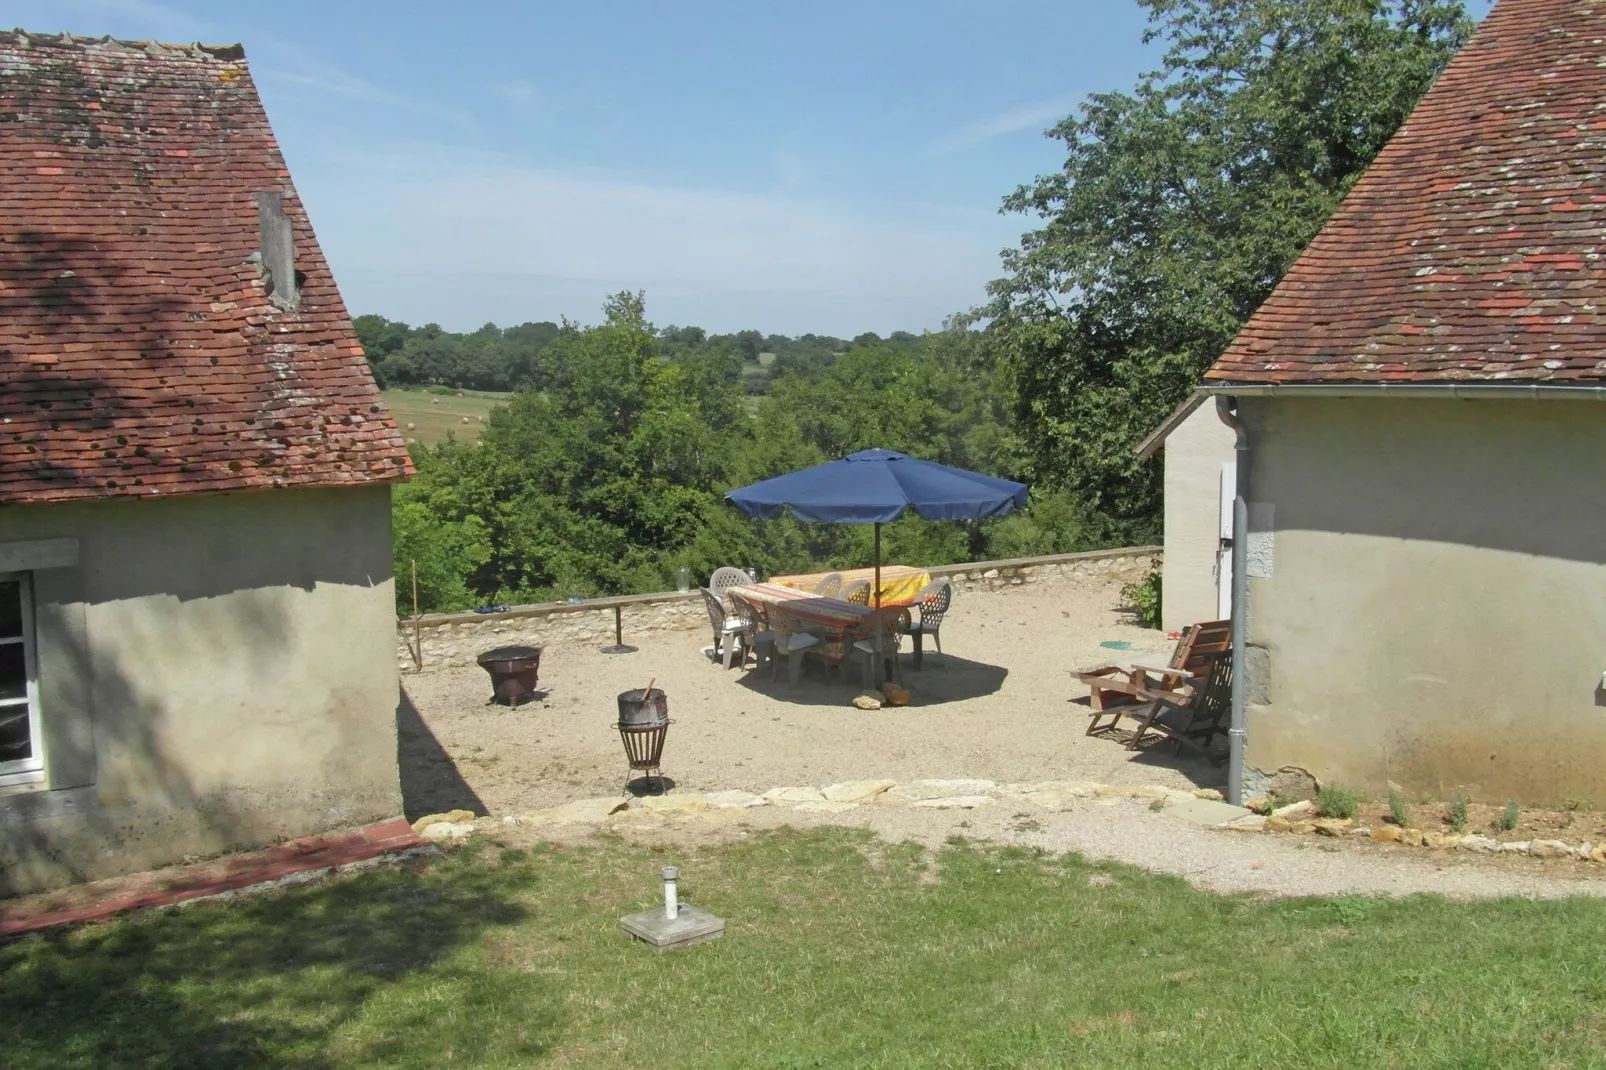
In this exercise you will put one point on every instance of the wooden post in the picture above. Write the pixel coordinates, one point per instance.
(418, 638)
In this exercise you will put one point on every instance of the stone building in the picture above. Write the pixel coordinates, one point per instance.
(1422, 397)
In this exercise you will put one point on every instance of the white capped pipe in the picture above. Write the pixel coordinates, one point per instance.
(671, 893)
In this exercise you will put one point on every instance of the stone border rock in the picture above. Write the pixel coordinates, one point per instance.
(1301, 819)
(953, 794)
(968, 794)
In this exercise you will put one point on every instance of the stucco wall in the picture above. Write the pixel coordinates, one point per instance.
(217, 672)
(1428, 599)
(1194, 454)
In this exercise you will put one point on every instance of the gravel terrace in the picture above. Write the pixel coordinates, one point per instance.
(1001, 706)
(997, 706)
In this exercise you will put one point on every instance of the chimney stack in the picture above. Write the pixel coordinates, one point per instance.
(278, 252)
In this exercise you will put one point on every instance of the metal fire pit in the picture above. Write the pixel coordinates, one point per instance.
(643, 724)
(513, 672)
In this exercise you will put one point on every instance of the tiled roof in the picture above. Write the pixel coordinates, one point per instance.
(1471, 249)
(139, 354)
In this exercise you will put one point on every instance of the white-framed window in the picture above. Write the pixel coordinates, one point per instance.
(22, 760)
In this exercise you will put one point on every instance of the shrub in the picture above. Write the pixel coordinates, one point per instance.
(1399, 813)
(1143, 599)
(1458, 813)
(1335, 802)
(1509, 817)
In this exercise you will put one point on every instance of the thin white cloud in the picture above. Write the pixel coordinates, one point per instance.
(519, 93)
(1032, 116)
(276, 60)
(134, 20)
(421, 235)
(333, 81)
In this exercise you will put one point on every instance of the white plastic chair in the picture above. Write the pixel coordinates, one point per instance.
(893, 622)
(756, 638)
(727, 629)
(724, 578)
(933, 602)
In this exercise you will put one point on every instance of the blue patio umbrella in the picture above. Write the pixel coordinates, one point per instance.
(875, 487)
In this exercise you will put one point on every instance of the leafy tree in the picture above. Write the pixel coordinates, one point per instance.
(749, 344)
(445, 544)
(379, 336)
(606, 479)
(1179, 207)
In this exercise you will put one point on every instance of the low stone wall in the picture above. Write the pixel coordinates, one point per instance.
(1127, 565)
(457, 638)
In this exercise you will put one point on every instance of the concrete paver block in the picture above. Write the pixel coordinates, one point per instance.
(1206, 811)
(693, 926)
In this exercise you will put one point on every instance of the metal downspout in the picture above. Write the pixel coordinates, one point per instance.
(1226, 409)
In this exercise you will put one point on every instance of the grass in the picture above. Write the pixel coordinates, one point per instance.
(1399, 812)
(1458, 814)
(433, 422)
(841, 951)
(1333, 801)
(1510, 816)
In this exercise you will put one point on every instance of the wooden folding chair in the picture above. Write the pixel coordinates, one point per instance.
(1115, 690)
(1192, 711)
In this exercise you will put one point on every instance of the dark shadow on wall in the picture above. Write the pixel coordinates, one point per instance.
(199, 547)
(1499, 474)
(122, 799)
(289, 980)
(430, 782)
(126, 805)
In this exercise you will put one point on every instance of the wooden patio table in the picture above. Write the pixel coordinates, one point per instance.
(900, 584)
(790, 611)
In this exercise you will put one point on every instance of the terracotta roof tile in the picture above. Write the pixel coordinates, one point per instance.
(139, 354)
(1471, 249)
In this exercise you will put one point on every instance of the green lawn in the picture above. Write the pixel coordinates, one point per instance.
(432, 416)
(841, 951)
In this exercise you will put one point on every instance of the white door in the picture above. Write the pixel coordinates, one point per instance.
(1229, 491)
(1224, 584)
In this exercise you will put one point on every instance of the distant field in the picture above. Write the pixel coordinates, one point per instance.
(428, 418)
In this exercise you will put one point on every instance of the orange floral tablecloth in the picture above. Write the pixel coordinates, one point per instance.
(900, 584)
(791, 611)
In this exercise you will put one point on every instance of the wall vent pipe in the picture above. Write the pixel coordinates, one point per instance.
(1227, 409)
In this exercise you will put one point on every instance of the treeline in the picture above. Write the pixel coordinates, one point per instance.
(610, 477)
(491, 358)
(506, 359)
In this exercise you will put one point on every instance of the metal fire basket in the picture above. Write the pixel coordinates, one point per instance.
(513, 672)
(643, 724)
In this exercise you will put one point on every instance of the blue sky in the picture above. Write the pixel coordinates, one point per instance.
(827, 166)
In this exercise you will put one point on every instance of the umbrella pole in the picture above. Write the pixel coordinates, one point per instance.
(875, 673)
(878, 565)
